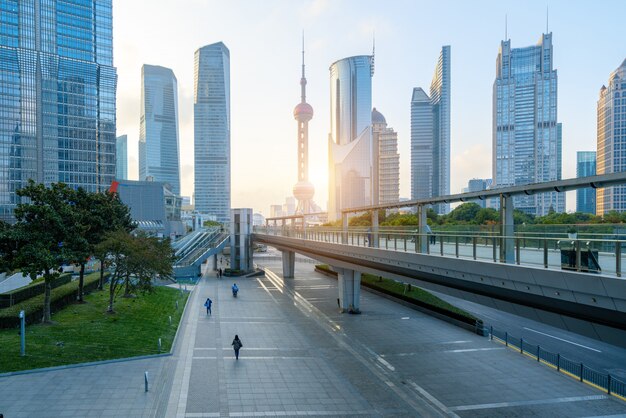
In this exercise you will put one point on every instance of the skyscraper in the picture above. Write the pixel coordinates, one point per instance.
(303, 190)
(586, 166)
(612, 140)
(430, 135)
(158, 128)
(477, 185)
(386, 161)
(350, 138)
(526, 135)
(58, 96)
(121, 157)
(212, 131)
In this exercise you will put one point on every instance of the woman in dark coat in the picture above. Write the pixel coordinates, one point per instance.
(237, 346)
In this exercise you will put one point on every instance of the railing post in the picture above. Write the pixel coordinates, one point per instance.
(506, 338)
(344, 228)
(491, 333)
(618, 258)
(404, 243)
(558, 362)
(395, 242)
(582, 367)
(441, 244)
(521, 345)
(517, 251)
(545, 253)
(474, 239)
(538, 352)
(578, 262)
(456, 246)
(608, 384)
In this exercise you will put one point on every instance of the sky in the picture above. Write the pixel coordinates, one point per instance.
(264, 38)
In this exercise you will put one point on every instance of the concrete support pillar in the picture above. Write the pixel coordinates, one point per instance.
(422, 221)
(374, 229)
(289, 261)
(344, 228)
(507, 244)
(349, 290)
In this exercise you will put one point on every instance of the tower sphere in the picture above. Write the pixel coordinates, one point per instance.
(303, 190)
(303, 112)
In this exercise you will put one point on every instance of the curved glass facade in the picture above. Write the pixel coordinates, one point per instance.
(57, 108)
(350, 139)
(211, 112)
(158, 127)
(612, 140)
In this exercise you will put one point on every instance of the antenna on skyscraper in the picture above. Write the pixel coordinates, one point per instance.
(505, 27)
(373, 51)
(547, 21)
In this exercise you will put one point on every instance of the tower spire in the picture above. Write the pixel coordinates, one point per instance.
(303, 79)
(547, 20)
(373, 51)
(506, 28)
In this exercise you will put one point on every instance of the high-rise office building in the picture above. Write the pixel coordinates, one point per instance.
(430, 135)
(477, 185)
(158, 127)
(350, 138)
(586, 166)
(386, 161)
(57, 108)
(121, 157)
(612, 140)
(526, 135)
(212, 131)
(303, 190)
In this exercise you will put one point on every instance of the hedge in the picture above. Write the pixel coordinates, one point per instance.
(60, 297)
(31, 290)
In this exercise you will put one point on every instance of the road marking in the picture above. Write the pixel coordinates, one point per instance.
(385, 363)
(466, 350)
(456, 342)
(561, 339)
(524, 403)
(431, 398)
(405, 317)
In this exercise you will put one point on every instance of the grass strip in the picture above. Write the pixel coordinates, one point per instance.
(85, 332)
(410, 293)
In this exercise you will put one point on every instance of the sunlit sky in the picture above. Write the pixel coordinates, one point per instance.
(264, 38)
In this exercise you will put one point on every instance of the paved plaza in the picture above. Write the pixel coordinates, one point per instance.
(301, 357)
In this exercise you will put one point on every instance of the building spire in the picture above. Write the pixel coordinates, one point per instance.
(547, 20)
(303, 79)
(506, 29)
(373, 51)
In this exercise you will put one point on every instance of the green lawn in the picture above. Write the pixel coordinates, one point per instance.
(84, 332)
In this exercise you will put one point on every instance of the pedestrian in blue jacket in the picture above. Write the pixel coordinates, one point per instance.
(207, 304)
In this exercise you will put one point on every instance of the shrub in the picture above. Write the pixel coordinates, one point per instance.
(33, 308)
(33, 289)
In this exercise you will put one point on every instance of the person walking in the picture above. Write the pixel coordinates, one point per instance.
(208, 304)
(237, 346)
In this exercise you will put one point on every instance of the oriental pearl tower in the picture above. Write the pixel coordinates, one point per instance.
(303, 190)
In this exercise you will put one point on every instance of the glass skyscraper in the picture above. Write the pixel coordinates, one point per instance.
(350, 138)
(158, 127)
(526, 135)
(121, 158)
(586, 166)
(430, 135)
(57, 107)
(212, 131)
(612, 140)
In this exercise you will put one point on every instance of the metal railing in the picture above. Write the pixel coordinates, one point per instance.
(603, 381)
(592, 253)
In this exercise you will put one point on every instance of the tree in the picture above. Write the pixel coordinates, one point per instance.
(465, 213)
(117, 248)
(41, 229)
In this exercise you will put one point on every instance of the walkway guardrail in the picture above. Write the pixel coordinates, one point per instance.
(593, 253)
(603, 381)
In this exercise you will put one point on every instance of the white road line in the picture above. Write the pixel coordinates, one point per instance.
(431, 398)
(405, 317)
(466, 350)
(523, 403)
(456, 342)
(385, 363)
(561, 339)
